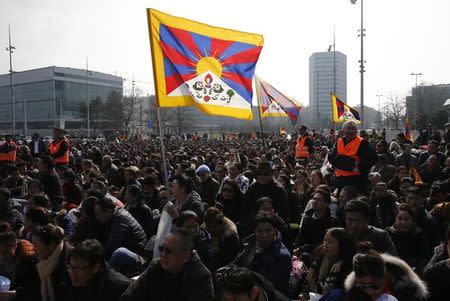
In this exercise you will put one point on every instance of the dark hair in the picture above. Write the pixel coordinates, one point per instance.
(368, 264)
(184, 182)
(325, 191)
(69, 175)
(149, 180)
(320, 175)
(135, 190)
(234, 280)
(410, 210)
(347, 244)
(185, 215)
(415, 190)
(37, 183)
(264, 217)
(214, 215)
(351, 191)
(48, 161)
(38, 215)
(358, 206)
(7, 235)
(49, 233)
(407, 179)
(185, 239)
(41, 201)
(89, 250)
(235, 186)
(263, 200)
(105, 204)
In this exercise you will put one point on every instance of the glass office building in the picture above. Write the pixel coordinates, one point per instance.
(52, 96)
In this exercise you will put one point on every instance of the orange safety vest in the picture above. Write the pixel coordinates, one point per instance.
(11, 156)
(301, 150)
(54, 148)
(349, 150)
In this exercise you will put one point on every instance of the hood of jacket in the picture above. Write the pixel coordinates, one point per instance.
(394, 264)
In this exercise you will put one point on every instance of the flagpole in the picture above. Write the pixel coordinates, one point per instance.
(258, 98)
(158, 109)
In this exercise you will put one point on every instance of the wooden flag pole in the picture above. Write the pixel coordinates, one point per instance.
(158, 109)
(258, 97)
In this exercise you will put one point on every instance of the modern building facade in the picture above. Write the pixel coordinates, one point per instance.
(52, 96)
(327, 73)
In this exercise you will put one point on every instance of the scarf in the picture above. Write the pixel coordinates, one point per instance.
(45, 269)
(320, 281)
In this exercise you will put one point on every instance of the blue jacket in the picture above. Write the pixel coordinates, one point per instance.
(274, 263)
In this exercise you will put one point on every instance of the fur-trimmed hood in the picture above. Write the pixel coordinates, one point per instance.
(406, 280)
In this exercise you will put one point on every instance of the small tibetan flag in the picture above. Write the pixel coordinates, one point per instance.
(272, 103)
(342, 112)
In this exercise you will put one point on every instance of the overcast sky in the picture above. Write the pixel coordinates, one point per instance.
(402, 36)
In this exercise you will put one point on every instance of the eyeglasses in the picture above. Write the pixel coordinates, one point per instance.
(75, 269)
(168, 250)
(374, 286)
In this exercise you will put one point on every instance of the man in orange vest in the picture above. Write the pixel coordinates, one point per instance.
(60, 147)
(304, 147)
(352, 158)
(8, 150)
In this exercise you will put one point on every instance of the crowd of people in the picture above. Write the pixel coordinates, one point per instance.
(323, 215)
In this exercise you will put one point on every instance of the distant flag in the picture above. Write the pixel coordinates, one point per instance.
(342, 112)
(272, 103)
(407, 130)
(208, 67)
(416, 176)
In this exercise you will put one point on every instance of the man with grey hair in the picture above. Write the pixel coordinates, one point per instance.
(177, 275)
(352, 158)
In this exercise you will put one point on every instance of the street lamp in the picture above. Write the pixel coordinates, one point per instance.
(11, 93)
(379, 107)
(361, 61)
(417, 97)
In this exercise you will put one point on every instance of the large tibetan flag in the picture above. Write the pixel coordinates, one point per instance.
(201, 65)
(272, 103)
(342, 112)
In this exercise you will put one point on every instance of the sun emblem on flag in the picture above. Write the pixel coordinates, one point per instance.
(211, 70)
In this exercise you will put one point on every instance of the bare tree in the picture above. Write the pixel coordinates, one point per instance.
(394, 110)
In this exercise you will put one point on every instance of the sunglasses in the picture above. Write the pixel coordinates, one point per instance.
(168, 250)
(374, 286)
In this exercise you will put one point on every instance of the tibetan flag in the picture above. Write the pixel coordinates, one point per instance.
(342, 112)
(208, 67)
(272, 103)
(407, 130)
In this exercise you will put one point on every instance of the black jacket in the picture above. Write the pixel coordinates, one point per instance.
(109, 285)
(312, 230)
(9, 212)
(208, 190)
(203, 246)
(123, 231)
(42, 149)
(52, 187)
(192, 283)
(437, 275)
(143, 215)
(412, 246)
(380, 239)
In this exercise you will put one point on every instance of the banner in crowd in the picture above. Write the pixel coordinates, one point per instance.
(208, 67)
(272, 103)
(343, 112)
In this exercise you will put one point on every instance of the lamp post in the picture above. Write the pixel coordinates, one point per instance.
(379, 107)
(361, 61)
(417, 97)
(11, 92)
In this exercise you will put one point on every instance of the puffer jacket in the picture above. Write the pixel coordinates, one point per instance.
(124, 231)
(404, 283)
(274, 263)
